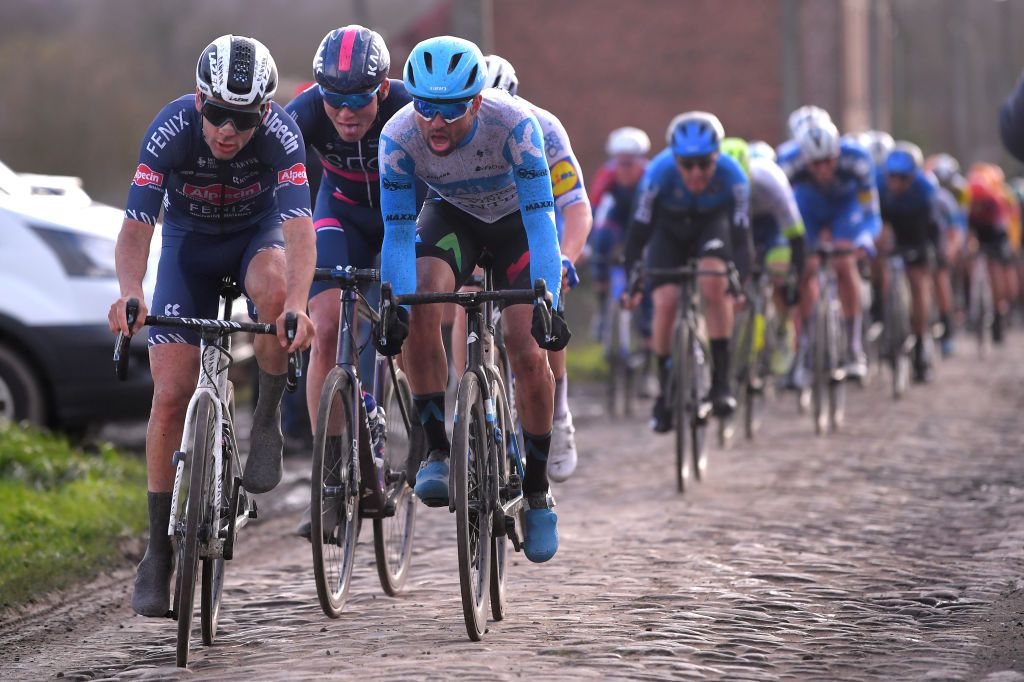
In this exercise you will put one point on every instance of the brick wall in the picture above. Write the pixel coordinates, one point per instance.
(600, 64)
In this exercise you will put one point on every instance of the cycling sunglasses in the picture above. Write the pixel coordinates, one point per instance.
(691, 162)
(241, 119)
(449, 111)
(352, 100)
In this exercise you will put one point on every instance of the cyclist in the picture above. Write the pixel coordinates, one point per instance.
(228, 165)
(834, 185)
(878, 143)
(572, 213)
(481, 152)
(692, 203)
(341, 117)
(908, 199)
(777, 230)
(988, 219)
(611, 196)
(788, 156)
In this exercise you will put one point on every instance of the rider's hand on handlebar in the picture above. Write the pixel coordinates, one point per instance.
(557, 336)
(630, 301)
(303, 331)
(117, 319)
(396, 328)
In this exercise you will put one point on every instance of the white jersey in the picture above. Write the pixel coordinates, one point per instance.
(771, 194)
(566, 177)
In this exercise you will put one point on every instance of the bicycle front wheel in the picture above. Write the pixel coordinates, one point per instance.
(334, 493)
(677, 395)
(820, 368)
(213, 568)
(507, 465)
(392, 535)
(197, 513)
(470, 456)
(698, 376)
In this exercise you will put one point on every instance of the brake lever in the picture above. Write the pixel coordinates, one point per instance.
(291, 324)
(121, 356)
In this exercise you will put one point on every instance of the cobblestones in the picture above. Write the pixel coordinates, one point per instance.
(877, 553)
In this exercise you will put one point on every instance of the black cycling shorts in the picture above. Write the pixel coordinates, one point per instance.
(462, 241)
(677, 240)
(995, 244)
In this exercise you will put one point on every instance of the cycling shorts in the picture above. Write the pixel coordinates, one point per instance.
(462, 241)
(192, 265)
(678, 240)
(346, 234)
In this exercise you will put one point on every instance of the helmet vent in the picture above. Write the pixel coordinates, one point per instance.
(428, 59)
(472, 77)
(410, 75)
(454, 61)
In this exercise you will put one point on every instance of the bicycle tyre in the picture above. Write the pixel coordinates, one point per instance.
(505, 465)
(473, 523)
(899, 361)
(677, 394)
(615, 362)
(200, 479)
(699, 377)
(213, 569)
(334, 493)
(836, 387)
(820, 367)
(393, 535)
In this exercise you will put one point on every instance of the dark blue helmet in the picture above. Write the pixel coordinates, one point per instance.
(351, 59)
(445, 68)
(695, 133)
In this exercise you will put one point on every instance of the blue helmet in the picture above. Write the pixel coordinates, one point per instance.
(695, 133)
(351, 59)
(904, 159)
(445, 68)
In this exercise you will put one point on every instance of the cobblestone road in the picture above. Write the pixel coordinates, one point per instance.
(890, 551)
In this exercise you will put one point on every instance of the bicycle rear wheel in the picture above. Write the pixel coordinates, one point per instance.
(507, 467)
(334, 493)
(473, 523)
(820, 367)
(677, 395)
(199, 461)
(393, 535)
(898, 324)
(836, 385)
(616, 364)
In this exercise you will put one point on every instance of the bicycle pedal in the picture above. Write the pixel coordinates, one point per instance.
(251, 513)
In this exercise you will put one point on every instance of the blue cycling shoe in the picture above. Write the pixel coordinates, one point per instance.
(540, 528)
(432, 480)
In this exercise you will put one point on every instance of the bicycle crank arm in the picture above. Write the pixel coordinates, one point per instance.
(512, 511)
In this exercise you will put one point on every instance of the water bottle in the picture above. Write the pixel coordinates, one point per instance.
(377, 425)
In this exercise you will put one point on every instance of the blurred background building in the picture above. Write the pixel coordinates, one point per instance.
(80, 81)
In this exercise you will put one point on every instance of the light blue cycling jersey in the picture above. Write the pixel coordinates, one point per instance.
(500, 168)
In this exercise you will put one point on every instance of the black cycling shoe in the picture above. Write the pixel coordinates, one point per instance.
(661, 416)
(723, 402)
(997, 328)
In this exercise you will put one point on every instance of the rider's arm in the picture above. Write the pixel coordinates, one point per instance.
(578, 219)
(641, 224)
(739, 220)
(867, 193)
(783, 208)
(524, 150)
(567, 188)
(398, 207)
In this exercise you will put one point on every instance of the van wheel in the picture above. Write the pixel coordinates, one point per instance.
(21, 394)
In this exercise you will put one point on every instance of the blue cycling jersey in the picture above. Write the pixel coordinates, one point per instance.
(848, 204)
(918, 202)
(350, 168)
(203, 194)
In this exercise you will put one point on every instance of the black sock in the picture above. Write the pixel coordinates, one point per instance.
(431, 410)
(664, 363)
(536, 448)
(159, 517)
(720, 361)
(947, 326)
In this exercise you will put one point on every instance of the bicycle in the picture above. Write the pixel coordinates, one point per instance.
(751, 348)
(690, 380)
(828, 391)
(896, 342)
(208, 505)
(487, 461)
(347, 484)
(980, 303)
(621, 350)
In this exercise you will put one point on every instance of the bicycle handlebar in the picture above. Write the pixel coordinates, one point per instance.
(347, 275)
(221, 327)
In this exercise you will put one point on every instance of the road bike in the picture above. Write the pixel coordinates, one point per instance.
(827, 341)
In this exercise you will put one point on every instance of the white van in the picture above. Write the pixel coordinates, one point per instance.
(57, 282)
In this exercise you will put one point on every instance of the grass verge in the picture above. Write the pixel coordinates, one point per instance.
(63, 512)
(585, 362)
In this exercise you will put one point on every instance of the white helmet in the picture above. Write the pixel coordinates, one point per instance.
(818, 140)
(804, 115)
(759, 149)
(628, 140)
(501, 74)
(878, 143)
(238, 70)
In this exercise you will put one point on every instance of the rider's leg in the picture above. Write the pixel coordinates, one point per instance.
(174, 367)
(264, 283)
(718, 315)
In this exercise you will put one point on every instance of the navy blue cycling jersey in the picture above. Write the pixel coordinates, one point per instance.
(350, 168)
(917, 202)
(203, 194)
(662, 196)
